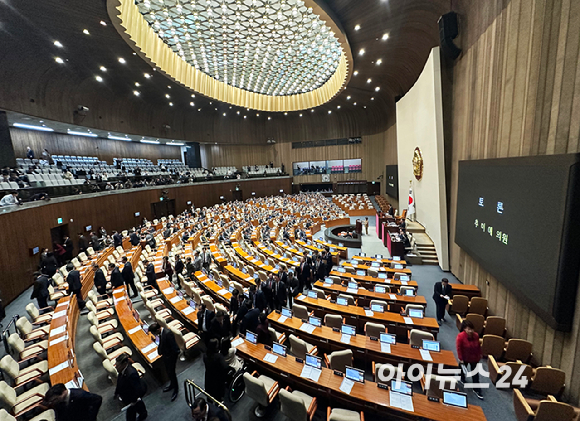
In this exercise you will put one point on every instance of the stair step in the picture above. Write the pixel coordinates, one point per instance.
(430, 262)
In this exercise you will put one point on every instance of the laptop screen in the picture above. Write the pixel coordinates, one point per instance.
(378, 308)
(398, 266)
(383, 275)
(410, 292)
(379, 256)
(348, 330)
(341, 301)
(380, 289)
(402, 387)
(279, 349)
(431, 345)
(343, 270)
(251, 337)
(340, 244)
(313, 361)
(360, 272)
(404, 278)
(415, 312)
(355, 374)
(396, 258)
(353, 285)
(327, 281)
(376, 265)
(312, 294)
(455, 398)
(286, 312)
(315, 321)
(388, 338)
(231, 289)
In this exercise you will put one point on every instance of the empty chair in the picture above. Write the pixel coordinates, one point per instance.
(18, 346)
(497, 370)
(104, 327)
(112, 356)
(25, 374)
(28, 332)
(478, 305)
(413, 307)
(333, 320)
(90, 251)
(82, 256)
(76, 263)
(349, 299)
(381, 373)
(372, 272)
(319, 293)
(545, 410)
(276, 336)
(45, 416)
(433, 385)
(300, 348)
(417, 336)
(494, 325)
(459, 304)
(101, 315)
(37, 316)
(338, 360)
(382, 303)
(184, 342)
(262, 389)
(338, 414)
(335, 280)
(492, 345)
(548, 381)
(518, 349)
(19, 404)
(300, 311)
(478, 321)
(297, 406)
(111, 341)
(374, 329)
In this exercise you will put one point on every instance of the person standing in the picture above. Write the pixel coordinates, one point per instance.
(83, 243)
(100, 280)
(128, 276)
(441, 295)
(150, 274)
(469, 352)
(130, 389)
(216, 370)
(179, 266)
(49, 264)
(366, 225)
(189, 268)
(72, 404)
(206, 258)
(117, 239)
(115, 276)
(68, 247)
(197, 262)
(40, 290)
(74, 281)
(280, 293)
(29, 152)
(304, 274)
(166, 268)
(169, 352)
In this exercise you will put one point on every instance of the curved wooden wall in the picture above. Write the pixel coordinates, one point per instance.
(30, 227)
(516, 93)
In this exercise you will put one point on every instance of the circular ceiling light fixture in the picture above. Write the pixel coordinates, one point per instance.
(270, 55)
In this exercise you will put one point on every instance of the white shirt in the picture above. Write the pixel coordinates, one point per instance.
(8, 200)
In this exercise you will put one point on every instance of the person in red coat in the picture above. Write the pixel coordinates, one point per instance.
(469, 351)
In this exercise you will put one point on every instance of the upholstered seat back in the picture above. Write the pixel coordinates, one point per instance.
(300, 311)
(434, 385)
(340, 359)
(292, 406)
(32, 311)
(338, 414)
(460, 304)
(518, 349)
(333, 320)
(374, 329)
(256, 389)
(492, 345)
(495, 325)
(9, 366)
(550, 411)
(16, 343)
(548, 381)
(7, 394)
(298, 347)
(416, 337)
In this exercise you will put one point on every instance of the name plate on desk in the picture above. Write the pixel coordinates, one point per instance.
(408, 320)
(134, 330)
(58, 330)
(187, 310)
(392, 296)
(59, 314)
(352, 290)
(148, 348)
(222, 291)
(168, 290)
(369, 313)
(175, 299)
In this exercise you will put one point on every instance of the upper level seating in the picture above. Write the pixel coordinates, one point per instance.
(224, 170)
(264, 169)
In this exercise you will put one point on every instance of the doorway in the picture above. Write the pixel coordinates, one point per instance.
(163, 208)
(57, 234)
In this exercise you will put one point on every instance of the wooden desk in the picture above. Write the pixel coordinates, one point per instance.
(138, 337)
(374, 260)
(276, 256)
(217, 292)
(258, 264)
(180, 305)
(469, 290)
(342, 251)
(363, 396)
(367, 295)
(371, 280)
(390, 271)
(217, 256)
(396, 248)
(362, 346)
(243, 278)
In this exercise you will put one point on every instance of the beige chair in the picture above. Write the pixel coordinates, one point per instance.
(101, 315)
(90, 251)
(55, 295)
(104, 327)
(338, 414)
(496, 371)
(548, 381)
(433, 385)
(102, 303)
(82, 256)
(300, 348)
(416, 337)
(336, 280)
(338, 360)
(18, 346)
(380, 303)
(333, 320)
(374, 329)
(36, 316)
(300, 311)
(494, 325)
(225, 281)
(45, 416)
(297, 406)
(518, 349)
(459, 304)
(492, 345)
(20, 376)
(405, 288)
(167, 321)
(112, 373)
(276, 336)
(262, 389)
(478, 305)
(377, 368)
(19, 404)
(208, 302)
(319, 293)
(184, 341)
(28, 332)
(349, 299)
(545, 410)
(372, 272)
(109, 342)
(112, 356)
(76, 263)
(478, 322)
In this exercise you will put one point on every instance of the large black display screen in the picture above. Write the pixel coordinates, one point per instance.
(392, 181)
(519, 218)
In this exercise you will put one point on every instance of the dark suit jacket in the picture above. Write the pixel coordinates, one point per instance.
(250, 321)
(74, 281)
(321, 270)
(261, 300)
(281, 293)
(179, 266)
(234, 305)
(150, 273)
(216, 371)
(201, 315)
(83, 243)
(135, 240)
(241, 314)
(116, 278)
(49, 265)
(440, 290)
(100, 279)
(129, 386)
(40, 287)
(304, 272)
(127, 273)
(167, 345)
(219, 331)
(117, 240)
(81, 406)
(214, 411)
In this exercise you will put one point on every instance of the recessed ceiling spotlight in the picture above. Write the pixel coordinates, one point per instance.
(199, 109)
(257, 115)
(147, 75)
(58, 44)
(216, 108)
(361, 52)
(338, 107)
(224, 114)
(122, 60)
(385, 37)
(230, 107)
(136, 93)
(192, 104)
(168, 87)
(312, 110)
(167, 96)
(103, 69)
(379, 61)
(285, 113)
(377, 89)
(193, 95)
(58, 60)
(171, 104)
(357, 27)
(238, 113)
(86, 32)
(137, 84)
(354, 103)
(329, 111)
(369, 80)
(355, 73)
(99, 79)
(364, 106)
(269, 118)
(103, 23)
(373, 98)
(348, 98)
(244, 116)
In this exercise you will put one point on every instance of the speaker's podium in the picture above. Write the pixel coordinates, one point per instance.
(237, 195)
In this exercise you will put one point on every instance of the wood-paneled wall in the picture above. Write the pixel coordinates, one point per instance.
(30, 227)
(516, 92)
(104, 149)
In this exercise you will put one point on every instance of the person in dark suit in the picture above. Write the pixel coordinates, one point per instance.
(49, 264)
(83, 243)
(130, 389)
(40, 290)
(150, 274)
(320, 268)
(304, 274)
(262, 331)
(72, 404)
(189, 268)
(74, 281)
(179, 266)
(68, 247)
(441, 294)
(261, 299)
(250, 321)
(134, 238)
(216, 370)
(128, 276)
(100, 280)
(116, 277)
(280, 293)
(204, 319)
(169, 352)
(244, 308)
(203, 411)
(166, 268)
(220, 326)
(293, 286)
(117, 239)
(235, 302)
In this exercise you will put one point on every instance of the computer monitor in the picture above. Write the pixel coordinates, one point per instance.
(398, 266)
(455, 398)
(404, 278)
(396, 258)
(315, 321)
(415, 312)
(192, 303)
(313, 361)
(410, 292)
(341, 301)
(342, 270)
(279, 349)
(360, 272)
(380, 289)
(286, 312)
(312, 294)
(244, 270)
(352, 285)
(251, 337)
(383, 275)
(388, 338)
(355, 374)
(375, 265)
(378, 308)
(231, 288)
(354, 262)
(340, 244)
(431, 345)
(402, 387)
(379, 256)
(347, 330)
(327, 280)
